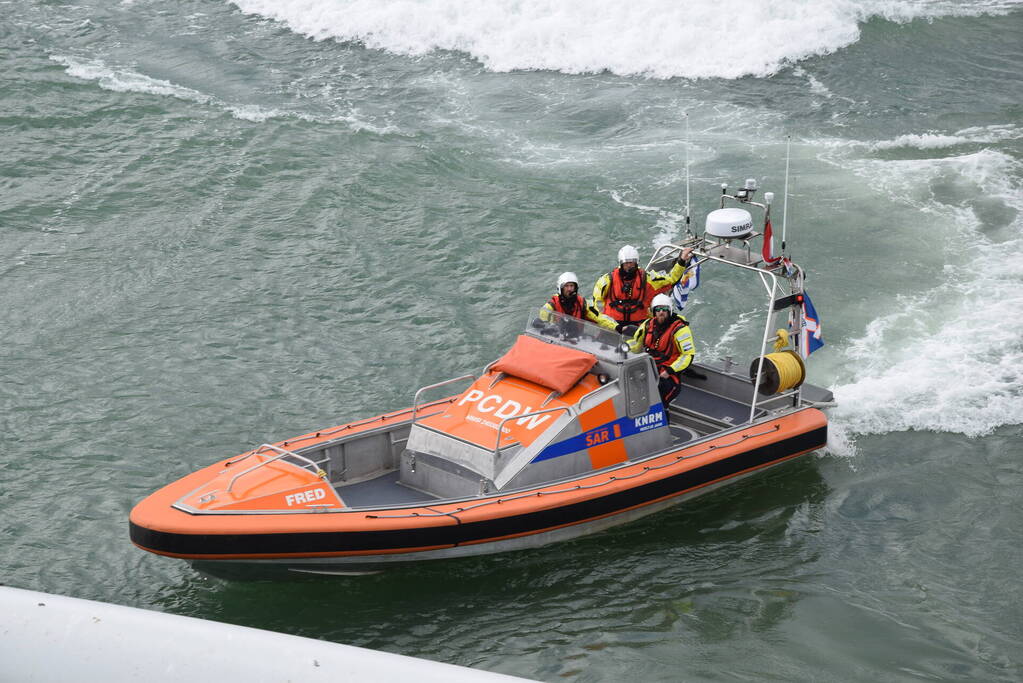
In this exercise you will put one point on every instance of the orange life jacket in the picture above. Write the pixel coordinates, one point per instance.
(628, 306)
(577, 309)
(661, 345)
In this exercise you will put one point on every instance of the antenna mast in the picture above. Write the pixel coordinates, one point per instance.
(785, 202)
(689, 232)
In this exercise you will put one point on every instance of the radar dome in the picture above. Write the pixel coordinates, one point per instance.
(730, 223)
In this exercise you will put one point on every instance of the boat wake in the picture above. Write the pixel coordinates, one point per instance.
(653, 38)
(949, 359)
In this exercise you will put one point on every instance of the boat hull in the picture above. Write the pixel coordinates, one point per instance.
(496, 523)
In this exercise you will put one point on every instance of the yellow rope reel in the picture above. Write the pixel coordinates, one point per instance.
(783, 370)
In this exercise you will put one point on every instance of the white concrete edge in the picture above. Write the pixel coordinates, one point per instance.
(46, 637)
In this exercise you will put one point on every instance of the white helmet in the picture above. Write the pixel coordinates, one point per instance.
(628, 253)
(565, 278)
(662, 300)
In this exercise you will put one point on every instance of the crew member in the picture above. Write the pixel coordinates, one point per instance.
(669, 341)
(568, 302)
(625, 293)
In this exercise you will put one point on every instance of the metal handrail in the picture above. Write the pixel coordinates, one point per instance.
(767, 332)
(771, 286)
(657, 253)
(281, 453)
(335, 430)
(415, 400)
(500, 426)
(667, 248)
(243, 456)
(593, 391)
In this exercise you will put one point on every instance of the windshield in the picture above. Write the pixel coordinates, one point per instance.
(568, 330)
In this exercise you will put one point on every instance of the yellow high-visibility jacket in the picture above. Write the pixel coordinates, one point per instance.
(655, 280)
(675, 353)
(589, 311)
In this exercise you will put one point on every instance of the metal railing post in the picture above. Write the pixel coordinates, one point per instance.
(500, 426)
(770, 287)
(281, 453)
(415, 401)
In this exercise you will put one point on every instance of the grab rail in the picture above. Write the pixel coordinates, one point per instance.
(500, 425)
(657, 255)
(591, 392)
(281, 453)
(415, 401)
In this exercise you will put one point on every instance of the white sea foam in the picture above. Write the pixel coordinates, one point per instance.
(667, 222)
(949, 359)
(669, 225)
(816, 87)
(742, 324)
(655, 38)
(923, 141)
(126, 80)
(935, 140)
(253, 113)
(616, 195)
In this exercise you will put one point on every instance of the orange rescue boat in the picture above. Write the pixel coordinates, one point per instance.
(564, 435)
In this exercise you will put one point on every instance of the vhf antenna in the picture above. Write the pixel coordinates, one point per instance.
(785, 202)
(689, 231)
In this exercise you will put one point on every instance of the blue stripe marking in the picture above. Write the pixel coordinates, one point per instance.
(605, 433)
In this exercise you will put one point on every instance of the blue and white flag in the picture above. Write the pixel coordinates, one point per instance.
(680, 293)
(811, 337)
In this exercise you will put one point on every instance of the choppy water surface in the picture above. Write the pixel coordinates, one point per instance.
(224, 224)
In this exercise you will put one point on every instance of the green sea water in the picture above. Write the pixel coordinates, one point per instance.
(227, 224)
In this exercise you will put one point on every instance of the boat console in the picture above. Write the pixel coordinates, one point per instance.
(566, 399)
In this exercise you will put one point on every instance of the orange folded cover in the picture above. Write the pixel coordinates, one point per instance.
(548, 365)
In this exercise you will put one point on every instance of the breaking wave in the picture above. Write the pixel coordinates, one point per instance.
(654, 38)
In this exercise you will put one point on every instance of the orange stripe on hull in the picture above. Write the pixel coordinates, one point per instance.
(613, 451)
